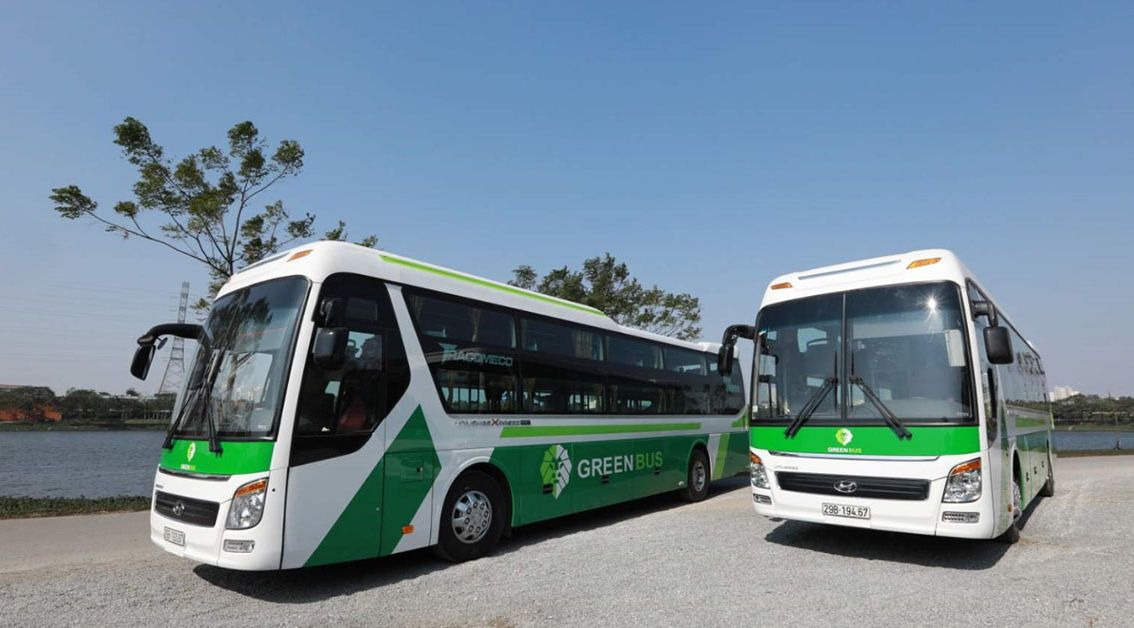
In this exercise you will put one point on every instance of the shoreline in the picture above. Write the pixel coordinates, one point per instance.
(82, 427)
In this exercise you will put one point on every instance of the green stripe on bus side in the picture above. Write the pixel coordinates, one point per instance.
(722, 456)
(872, 440)
(493, 285)
(236, 457)
(525, 431)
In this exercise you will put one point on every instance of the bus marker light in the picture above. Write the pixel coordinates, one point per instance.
(929, 261)
(299, 254)
(781, 286)
(407, 529)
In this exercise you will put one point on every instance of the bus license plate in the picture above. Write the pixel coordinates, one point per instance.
(177, 537)
(842, 510)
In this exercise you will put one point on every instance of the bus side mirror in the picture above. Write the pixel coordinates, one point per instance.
(724, 359)
(143, 357)
(330, 347)
(727, 352)
(998, 345)
(151, 340)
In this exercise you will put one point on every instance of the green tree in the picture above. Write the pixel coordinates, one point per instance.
(606, 284)
(203, 206)
(31, 401)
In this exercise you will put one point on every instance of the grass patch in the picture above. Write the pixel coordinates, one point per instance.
(25, 507)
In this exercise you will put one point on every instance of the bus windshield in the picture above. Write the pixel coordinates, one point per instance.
(904, 352)
(238, 375)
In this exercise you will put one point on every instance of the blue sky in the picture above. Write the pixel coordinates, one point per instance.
(711, 148)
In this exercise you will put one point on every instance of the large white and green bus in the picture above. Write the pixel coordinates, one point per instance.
(347, 403)
(893, 393)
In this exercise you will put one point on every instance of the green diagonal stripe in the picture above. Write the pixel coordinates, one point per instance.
(525, 431)
(491, 284)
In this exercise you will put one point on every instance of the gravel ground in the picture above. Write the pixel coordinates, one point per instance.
(656, 561)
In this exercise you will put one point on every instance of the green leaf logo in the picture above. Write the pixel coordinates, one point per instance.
(844, 436)
(192, 451)
(555, 469)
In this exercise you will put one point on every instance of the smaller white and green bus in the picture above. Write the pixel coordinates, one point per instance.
(893, 393)
(347, 403)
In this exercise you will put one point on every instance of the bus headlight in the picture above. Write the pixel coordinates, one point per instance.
(756, 471)
(963, 484)
(247, 505)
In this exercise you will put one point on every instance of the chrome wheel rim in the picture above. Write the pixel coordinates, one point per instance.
(471, 516)
(699, 476)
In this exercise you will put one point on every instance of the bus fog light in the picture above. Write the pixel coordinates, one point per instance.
(238, 546)
(762, 499)
(247, 505)
(963, 484)
(960, 517)
(756, 471)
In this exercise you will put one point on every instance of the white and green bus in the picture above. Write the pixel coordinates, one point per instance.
(892, 393)
(347, 403)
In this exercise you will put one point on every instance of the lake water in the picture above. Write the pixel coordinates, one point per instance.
(104, 464)
(70, 464)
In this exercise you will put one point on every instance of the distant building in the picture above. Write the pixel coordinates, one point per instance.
(1062, 392)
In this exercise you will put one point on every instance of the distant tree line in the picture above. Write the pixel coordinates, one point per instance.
(1093, 409)
(81, 405)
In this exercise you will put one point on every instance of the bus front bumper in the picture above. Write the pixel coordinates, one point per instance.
(253, 549)
(929, 516)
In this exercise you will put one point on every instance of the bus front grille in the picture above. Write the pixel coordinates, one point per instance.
(854, 486)
(192, 511)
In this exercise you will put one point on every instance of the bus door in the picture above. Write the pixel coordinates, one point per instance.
(338, 480)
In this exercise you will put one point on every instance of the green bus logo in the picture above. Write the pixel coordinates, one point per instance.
(844, 436)
(555, 469)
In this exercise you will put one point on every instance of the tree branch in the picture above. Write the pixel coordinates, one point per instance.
(145, 236)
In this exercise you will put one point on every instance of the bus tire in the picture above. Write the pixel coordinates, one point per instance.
(1048, 488)
(696, 477)
(1012, 534)
(472, 518)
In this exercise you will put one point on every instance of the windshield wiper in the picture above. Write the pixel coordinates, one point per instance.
(201, 390)
(890, 417)
(809, 407)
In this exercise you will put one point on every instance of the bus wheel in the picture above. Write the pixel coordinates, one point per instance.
(1012, 534)
(697, 479)
(472, 518)
(1048, 488)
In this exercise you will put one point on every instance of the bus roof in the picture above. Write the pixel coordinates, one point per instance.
(318, 260)
(915, 266)
(912, 267)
